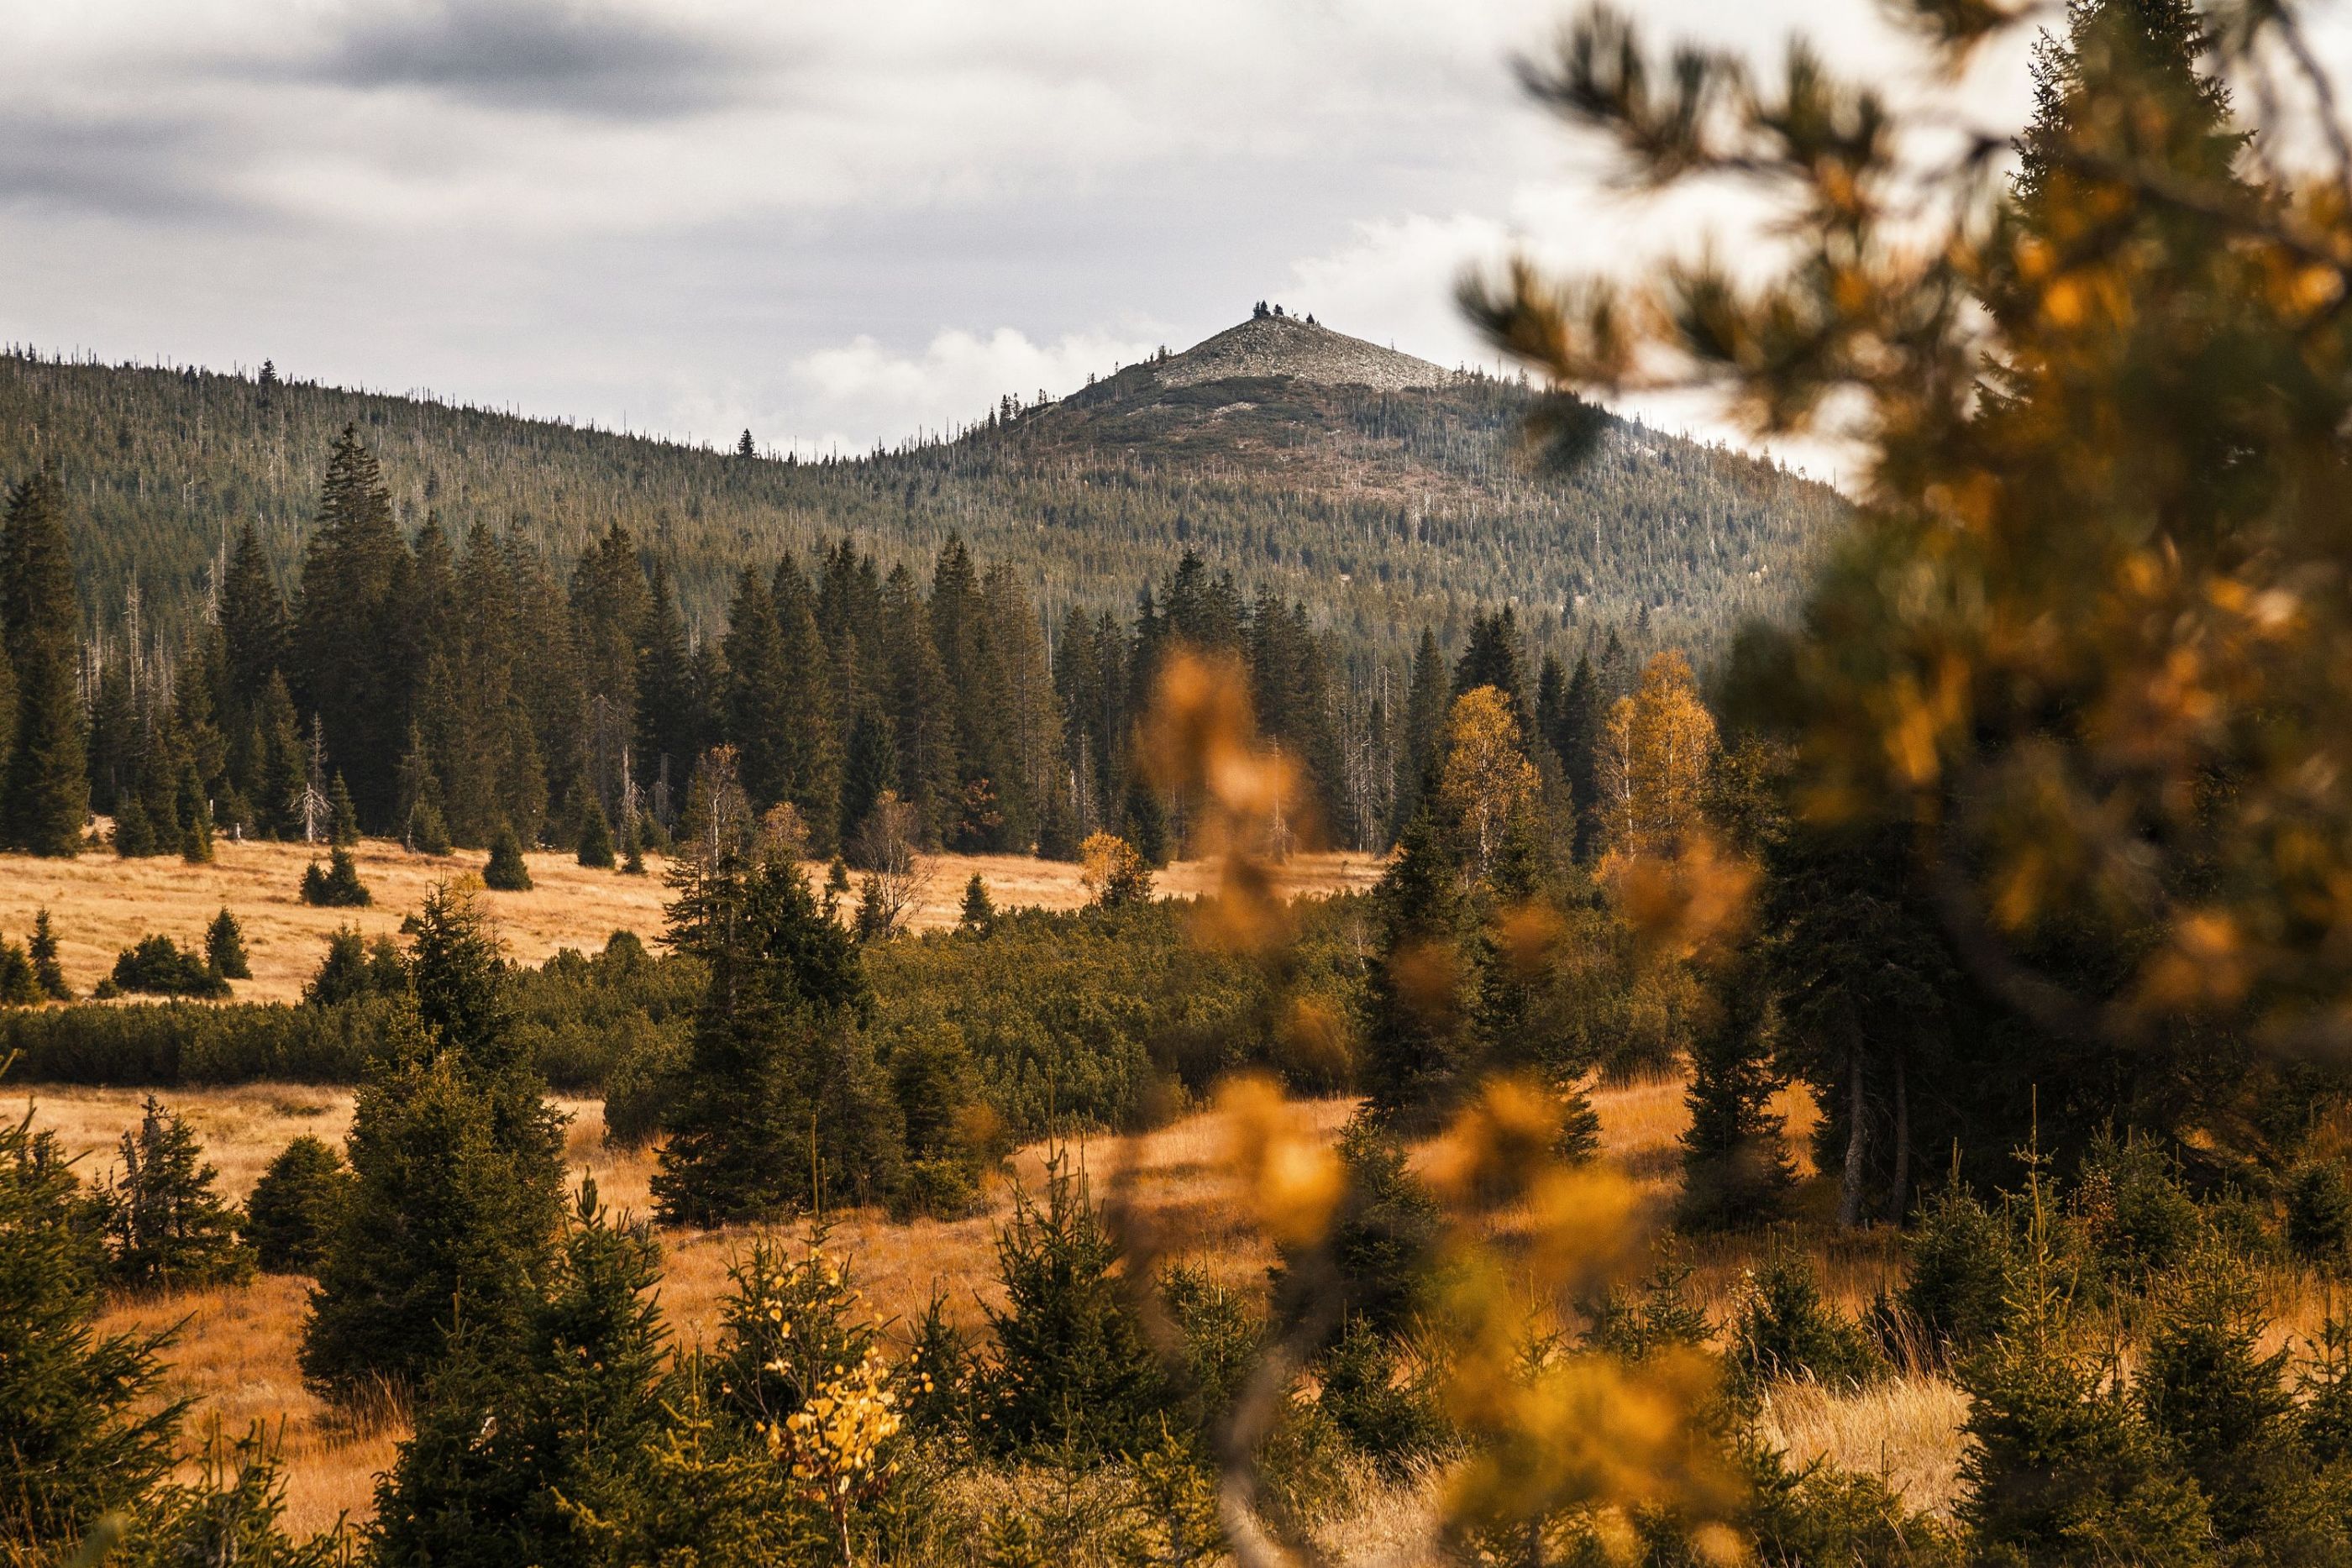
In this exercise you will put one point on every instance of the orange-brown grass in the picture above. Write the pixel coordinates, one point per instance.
(236, 1350)
(100, 903)
(1905, 1430)
(238, 1346)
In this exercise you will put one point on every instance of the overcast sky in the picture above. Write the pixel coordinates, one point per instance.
(833, 223)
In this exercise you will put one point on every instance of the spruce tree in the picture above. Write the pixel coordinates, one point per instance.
(518, 1436)
(349, 631)
(44, 791)
(871, 767)
(1735, 1169)
(505, 871)
(344, 821)
(164, 1225)
(18, 988)
(42, 950)
(1074, 1369)
(668, 736)
(457, 1163)
(195, 813)
(252, 622)
(782, 1102)
(811, 751)
(81, 1418)
(595, 848)
(978, 914)
(296, 1205)
(225, 949)
(1577, 738)
(757, 713)
(336, 885)
(284, 761)
(1424, 726)
(921, 710)
(134, 835)
(1419, 1051)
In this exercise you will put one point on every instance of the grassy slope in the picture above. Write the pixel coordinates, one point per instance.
(100, 903)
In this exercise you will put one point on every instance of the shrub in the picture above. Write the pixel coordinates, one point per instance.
(1821, 1514)
(936, 1087)
(787, 1323)
(233, 1511)
(1785, 1329)
(1115, 873)
(1658, 1314)
(165, 1226)
(158, 968)
(639, 1087)
(225, 949)
(2319, 1212)
(336, 886)
(506, 872)
(295, 1206)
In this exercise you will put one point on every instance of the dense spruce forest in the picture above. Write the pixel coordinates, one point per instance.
(445, 692)
(1382, 511)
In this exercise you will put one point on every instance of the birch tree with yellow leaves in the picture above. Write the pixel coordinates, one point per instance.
(1488, 781)
(1650, 774)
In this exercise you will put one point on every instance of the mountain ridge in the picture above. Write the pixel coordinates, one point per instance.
(1380, 491)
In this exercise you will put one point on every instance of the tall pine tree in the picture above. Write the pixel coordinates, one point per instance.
(45, 794)
(347, 636)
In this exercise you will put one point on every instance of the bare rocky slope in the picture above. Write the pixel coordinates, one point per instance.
(1294, 346)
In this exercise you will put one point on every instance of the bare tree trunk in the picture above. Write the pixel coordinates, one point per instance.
(1898, 1192)
(1857, 1133)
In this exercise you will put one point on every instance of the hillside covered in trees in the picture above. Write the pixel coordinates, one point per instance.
(1382, 506)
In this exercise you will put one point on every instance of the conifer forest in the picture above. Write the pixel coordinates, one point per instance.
(1293, 958)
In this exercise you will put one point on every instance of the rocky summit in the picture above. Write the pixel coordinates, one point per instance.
(1272, 345)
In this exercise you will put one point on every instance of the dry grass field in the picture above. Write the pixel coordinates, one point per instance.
(235, 1351)
(100, 903)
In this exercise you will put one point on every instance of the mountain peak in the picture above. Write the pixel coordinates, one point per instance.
(1271, 344)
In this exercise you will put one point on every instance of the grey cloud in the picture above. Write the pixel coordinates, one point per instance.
(545, 56)
(144, 167)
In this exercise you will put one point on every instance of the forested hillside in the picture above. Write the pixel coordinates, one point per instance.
(1381, 510)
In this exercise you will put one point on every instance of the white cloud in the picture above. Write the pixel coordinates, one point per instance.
(869, 392)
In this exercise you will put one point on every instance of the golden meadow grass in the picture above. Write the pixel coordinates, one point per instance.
(100, 903)
(236, 1354)
(237, 1347)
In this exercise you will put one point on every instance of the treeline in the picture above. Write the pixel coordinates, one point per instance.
(1382, 512)
(440, 691)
